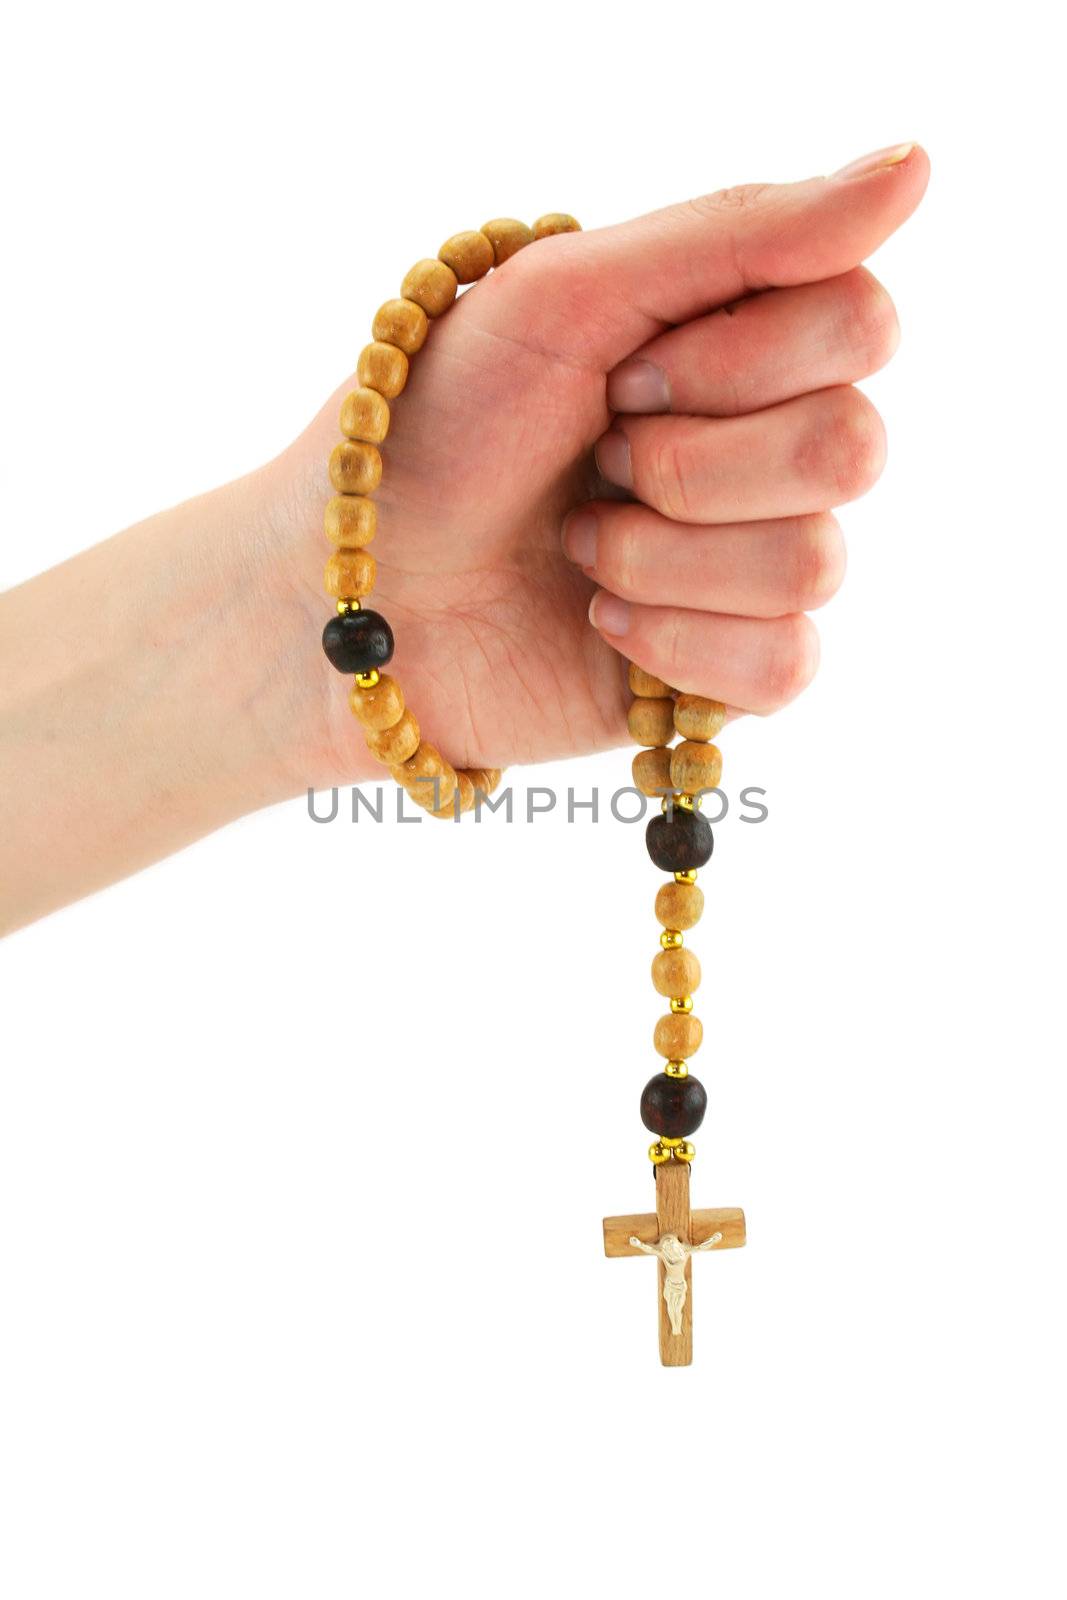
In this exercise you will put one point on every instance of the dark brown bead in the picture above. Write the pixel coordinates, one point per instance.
(679, 840)
(673, 1107)
(358, 642)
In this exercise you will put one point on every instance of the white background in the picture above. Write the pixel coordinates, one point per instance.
(247, 1094)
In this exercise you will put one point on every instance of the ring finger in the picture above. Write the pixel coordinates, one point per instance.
(746, 569)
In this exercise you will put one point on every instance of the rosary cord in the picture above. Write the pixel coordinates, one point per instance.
(679, 840)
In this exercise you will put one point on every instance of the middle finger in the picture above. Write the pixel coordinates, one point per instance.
(804, 455)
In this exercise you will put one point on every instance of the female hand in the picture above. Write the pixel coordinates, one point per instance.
(725, 335)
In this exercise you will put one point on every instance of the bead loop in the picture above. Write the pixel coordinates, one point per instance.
(359, 641)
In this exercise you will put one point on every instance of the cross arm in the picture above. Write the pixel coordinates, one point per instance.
(728, 1220)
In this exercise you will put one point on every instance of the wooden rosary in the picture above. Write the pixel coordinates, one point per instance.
(679, 839)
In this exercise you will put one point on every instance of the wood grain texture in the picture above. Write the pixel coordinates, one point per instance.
(644, 1225)
(672, 1215)
(672, 1211)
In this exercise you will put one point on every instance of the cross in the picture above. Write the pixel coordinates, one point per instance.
(653, 1233)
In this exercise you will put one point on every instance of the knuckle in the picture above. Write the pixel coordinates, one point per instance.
(844, 448)
(871, 327)
(792, 661)
(673, 654)
(739, 197)
(669, 474)
(819, 562)
(721, 206)
(864, 441)
(620, 564)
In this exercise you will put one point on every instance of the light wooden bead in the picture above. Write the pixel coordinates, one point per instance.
(448, 809)
(697, 718)
(365, 415)
(642, 683)
(651, 722)
(420, 794)
(555, 222)
(695, 766)
(431, 285)
(678, 1037)
(652, 771)
(403, 323)
(355, 467)
(470, 255)
(507, 236)
(397, 743)
(484, 779)
(466, 791)
(378, 708)
(382, 367)
(675, 972)
(679, 905)
(350, 574)
(424, 764)
(350, 521)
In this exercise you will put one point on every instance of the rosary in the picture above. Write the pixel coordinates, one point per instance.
(359, 642)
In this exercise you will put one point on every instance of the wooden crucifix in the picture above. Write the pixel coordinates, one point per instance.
(671, 1233)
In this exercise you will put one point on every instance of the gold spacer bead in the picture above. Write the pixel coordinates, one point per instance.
(684, 802)
(671, 939)
(685, 1151)
(671, 1144)
(677, 1069)
(657, 1155)
(345, 606)
(368, 680)
(682, 1005)
(689, 876)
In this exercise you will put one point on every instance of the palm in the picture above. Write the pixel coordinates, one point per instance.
(490, 445)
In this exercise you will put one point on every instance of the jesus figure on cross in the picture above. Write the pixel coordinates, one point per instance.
(674, 1255)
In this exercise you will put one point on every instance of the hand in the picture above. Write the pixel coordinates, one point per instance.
(725, 334)
(200, 692)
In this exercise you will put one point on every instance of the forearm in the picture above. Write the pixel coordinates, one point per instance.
(139, 700)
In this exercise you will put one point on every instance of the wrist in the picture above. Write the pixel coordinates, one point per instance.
(297, 732)
(151, 724)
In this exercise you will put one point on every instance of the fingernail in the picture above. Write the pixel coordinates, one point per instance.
(638, 385)
(892, 156)
(613, 458)
(579, 537)
(610, 614)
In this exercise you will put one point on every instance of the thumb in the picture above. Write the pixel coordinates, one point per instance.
(621, 285)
